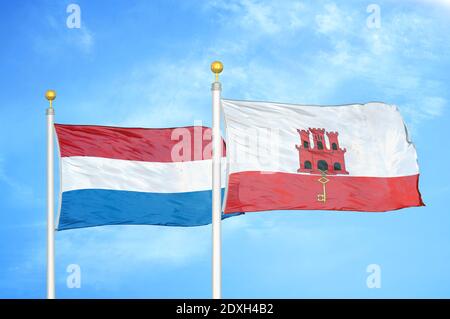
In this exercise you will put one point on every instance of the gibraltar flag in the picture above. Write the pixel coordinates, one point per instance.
(352, 157)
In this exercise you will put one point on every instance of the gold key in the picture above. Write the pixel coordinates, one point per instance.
(323, 180)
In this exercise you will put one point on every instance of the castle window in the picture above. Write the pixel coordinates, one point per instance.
(337, 166)
(305, 144)
(308, 165)
(322, 165)
(334, 146)
(319, 145)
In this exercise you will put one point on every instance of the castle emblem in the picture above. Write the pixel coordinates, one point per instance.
(318, 158)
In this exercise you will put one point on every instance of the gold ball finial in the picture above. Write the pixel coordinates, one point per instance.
(50, 95)
(216, 68)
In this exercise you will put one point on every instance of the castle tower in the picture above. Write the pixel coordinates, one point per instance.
(337, 153)
(318, 138)
(305, 157)
(304, 137)
(333, 139)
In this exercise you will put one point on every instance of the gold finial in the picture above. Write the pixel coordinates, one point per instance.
(216, 68)
(50, 95)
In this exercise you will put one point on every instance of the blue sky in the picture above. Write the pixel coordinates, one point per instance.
(146, 63)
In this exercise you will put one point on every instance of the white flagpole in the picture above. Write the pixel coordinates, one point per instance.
(50, 95)
(216, 68)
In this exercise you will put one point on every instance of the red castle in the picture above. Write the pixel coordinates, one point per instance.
(319, 158)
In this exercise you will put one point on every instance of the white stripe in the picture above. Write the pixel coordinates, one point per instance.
(262, 136)
(79, 172)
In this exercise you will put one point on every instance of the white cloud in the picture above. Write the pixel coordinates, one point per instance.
(139, 244)
(59, 38)
(261, 17)
(140, 247)
(84, 39)
(434, 106)
(173, 94)
(424, 108)
(19, 192)
(332, 20)
(442, 3)
(169, 93)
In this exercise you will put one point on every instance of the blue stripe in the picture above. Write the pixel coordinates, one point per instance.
(96, 207)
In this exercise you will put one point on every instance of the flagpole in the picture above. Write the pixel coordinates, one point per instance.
(50, 95)
(216, 88)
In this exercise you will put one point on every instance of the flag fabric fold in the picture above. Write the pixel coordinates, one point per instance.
(124, 176)
(286, 157)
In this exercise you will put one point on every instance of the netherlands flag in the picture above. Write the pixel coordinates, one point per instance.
(117, 176)
(355, 157)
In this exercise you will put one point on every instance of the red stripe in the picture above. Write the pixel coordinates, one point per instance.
(137, 144)
(256, 191)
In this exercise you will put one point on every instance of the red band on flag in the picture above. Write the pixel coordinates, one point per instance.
(136, 144)
(256, 191)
